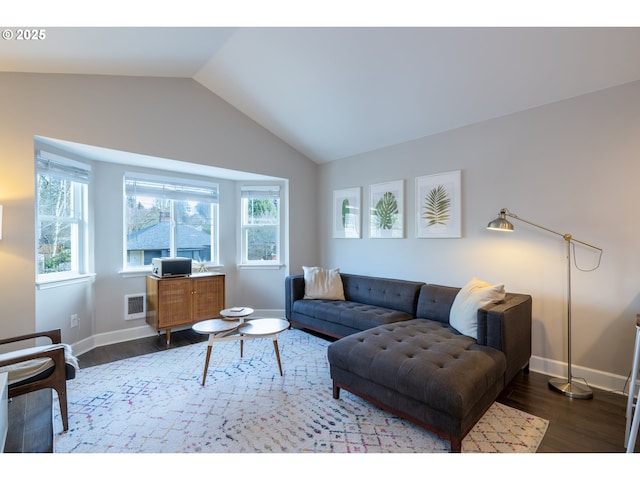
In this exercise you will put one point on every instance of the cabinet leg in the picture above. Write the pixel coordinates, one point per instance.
(168, 336)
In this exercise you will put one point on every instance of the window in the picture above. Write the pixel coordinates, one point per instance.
(61, 215)
(169, 218)
(260, 225)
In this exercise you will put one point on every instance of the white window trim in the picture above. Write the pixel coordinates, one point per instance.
(80, 174)
(261, 264)
(64, 281)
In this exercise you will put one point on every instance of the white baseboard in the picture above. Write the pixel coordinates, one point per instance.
(109, 338)
(595, 378)
(127, 334)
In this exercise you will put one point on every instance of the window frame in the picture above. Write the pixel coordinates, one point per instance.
(173, 190)
(257, 191)
(60, 167)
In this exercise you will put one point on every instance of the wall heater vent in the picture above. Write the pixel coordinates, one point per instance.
(135, 306)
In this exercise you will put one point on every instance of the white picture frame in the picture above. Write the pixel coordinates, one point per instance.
(439, 205)
(347, 217)
(386, 209)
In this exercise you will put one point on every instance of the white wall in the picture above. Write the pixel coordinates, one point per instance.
(170, 118)
(572, 166)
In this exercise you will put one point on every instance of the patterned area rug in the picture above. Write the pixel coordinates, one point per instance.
(155, 403)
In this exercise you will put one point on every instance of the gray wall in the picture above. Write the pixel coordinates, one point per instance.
(170, 118)
(572, 166)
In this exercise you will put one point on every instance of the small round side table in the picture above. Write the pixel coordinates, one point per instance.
(265, 327)
(216, 329)
(236, 312)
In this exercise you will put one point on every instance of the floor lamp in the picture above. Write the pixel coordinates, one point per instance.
(566, 387)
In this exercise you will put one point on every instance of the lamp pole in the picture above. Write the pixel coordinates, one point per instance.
(566, 387)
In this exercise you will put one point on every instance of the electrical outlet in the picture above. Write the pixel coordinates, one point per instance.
(74, 320)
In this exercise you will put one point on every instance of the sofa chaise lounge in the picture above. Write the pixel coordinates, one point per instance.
(396, 348)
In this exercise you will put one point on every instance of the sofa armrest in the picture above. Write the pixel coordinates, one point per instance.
(293, 290)
(506, 326)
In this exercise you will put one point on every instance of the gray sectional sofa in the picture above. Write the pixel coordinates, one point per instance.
(395, 348)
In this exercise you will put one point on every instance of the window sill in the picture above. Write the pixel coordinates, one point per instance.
(259, 266)
(142, 272)
(63, 282)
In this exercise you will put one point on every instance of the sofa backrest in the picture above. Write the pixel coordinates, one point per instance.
(434, 302)
(401, 295)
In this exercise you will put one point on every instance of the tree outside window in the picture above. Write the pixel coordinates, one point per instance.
(61, 206)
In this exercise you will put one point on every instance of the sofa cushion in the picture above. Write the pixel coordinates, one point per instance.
(424, 360)
(472, 297)
(320, 283)
(434, 302)
(401, 295)
(355, 315)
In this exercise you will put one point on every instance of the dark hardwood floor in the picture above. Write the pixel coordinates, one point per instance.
(575, 425)
(581, 426)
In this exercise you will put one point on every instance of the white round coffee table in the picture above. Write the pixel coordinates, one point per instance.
(216, 329)
(236, 312)
(264, 327)
(216, 326)
(229, 329)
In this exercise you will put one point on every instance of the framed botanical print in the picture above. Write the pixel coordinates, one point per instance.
(438, 205)
(347, 219)
(386, 210)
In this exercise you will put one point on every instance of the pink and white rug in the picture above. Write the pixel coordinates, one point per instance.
(155, 403)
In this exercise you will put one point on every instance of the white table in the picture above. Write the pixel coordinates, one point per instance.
(265, 327)
(237, 312)
(224, 330)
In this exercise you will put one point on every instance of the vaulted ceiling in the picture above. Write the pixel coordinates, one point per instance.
(336, 92)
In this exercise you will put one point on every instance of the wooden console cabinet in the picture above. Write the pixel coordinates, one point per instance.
(180, 301)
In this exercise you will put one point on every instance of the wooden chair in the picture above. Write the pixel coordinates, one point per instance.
(35, 368)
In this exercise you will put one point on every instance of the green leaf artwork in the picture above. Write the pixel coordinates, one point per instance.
(437, 206)
(386, 211)
(345, 211)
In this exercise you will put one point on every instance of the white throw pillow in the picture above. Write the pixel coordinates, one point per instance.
(320, 283)
(474, 295)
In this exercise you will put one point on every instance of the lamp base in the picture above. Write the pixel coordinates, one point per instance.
(570, 389)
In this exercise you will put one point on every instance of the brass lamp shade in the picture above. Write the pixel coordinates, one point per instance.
(501, 223)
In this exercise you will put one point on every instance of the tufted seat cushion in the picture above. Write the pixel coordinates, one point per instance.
(425, 361)
(359, 316)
